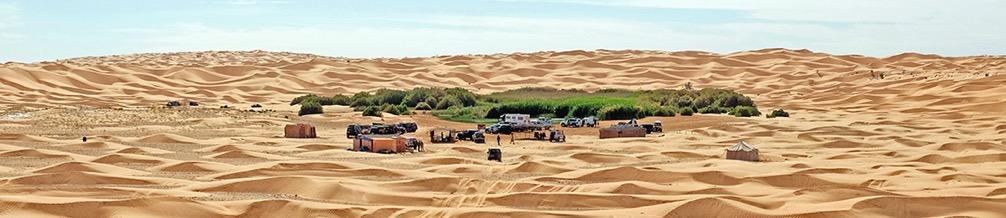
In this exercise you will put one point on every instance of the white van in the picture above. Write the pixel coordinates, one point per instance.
(515, 118)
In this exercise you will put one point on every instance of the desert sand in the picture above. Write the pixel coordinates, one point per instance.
(911, 135)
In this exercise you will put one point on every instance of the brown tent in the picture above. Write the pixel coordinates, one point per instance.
(622, 131)
(299, 131)
(383, 143)
(743, 151)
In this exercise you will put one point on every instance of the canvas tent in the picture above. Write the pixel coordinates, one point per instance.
(299, 131)
(622, 131)
(742, 151)
(386, 144)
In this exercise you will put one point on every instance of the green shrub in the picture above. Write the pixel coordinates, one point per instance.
(389, 96)
(620, 112)
(297, 100)
(534, 108)
(417, 95)
(467, 98)
(663, 111)
(309, 107)
(712, 110)
(334, 100)
(361, 102)
(394, 109)
(449, 101)
(423, 106)
(562, 110)
(474, 114)
(687, 111)
(402, 110)
(746, 111)
(585, 110)
(778, 113)
(341, 100)
(684, 102)
(326, 101)
(373, 111)
(704, 102)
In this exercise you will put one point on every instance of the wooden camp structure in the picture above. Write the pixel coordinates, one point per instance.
(299, 131)
(618, 131)
(386, 144)
(443, 135)
(742, 151)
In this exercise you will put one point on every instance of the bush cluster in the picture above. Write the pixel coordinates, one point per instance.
(687, 111)
(423, 106)
(372, 111)
(309, 107)
(705, 101)
(663, 111)
(334, 100)
(604, 104)
(621, 112)
(745, 111)
(778, 113)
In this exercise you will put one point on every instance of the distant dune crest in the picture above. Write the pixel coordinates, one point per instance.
(230, 77)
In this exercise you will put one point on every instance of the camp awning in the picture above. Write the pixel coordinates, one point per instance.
(742, 146)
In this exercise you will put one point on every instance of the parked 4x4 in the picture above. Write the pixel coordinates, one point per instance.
(500, 128)
(356, 129)
(571, 122)
(590, 121)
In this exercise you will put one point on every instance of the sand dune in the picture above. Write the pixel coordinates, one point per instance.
(911, 135)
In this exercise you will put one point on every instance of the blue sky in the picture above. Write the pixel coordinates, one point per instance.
(34, 30)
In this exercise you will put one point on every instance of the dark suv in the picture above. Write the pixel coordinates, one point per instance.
(409, 127)
(356, 129)
(472, 135)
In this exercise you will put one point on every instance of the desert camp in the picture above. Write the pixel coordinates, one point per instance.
(502, 108)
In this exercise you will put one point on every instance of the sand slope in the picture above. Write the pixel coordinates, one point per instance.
(911, 135)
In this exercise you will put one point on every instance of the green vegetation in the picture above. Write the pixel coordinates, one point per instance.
(778, 113)
(334, 100)
(687, 111)
(465, 114)
(373, 111)
(423, 106)
(309, 107)
(745, 111)
(621, 112)
(462, 105)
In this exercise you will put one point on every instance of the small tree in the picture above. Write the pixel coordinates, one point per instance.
(423, 106)
(746, 111)
(687, 111)
(300, 99)
(360, 102)
(778, 113)
(309, 107)
(373, 111)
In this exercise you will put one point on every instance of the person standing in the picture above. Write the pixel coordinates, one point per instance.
(511, 139)
(498, 140)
